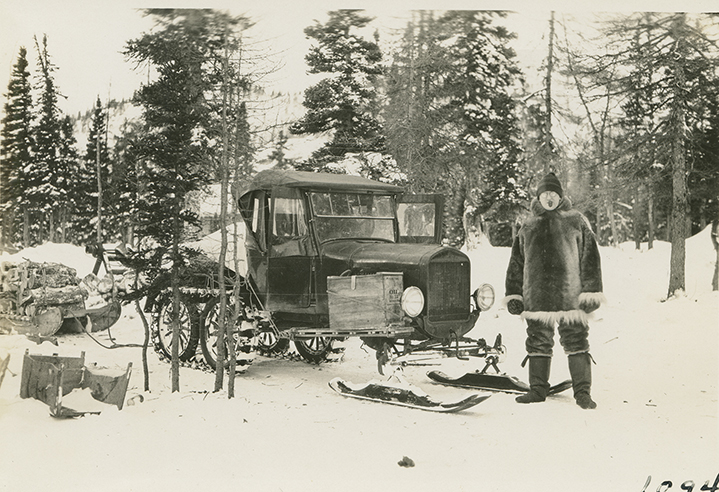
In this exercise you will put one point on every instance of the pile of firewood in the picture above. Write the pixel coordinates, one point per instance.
(26, 285)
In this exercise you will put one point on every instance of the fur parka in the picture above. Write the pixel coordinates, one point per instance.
(555, 268)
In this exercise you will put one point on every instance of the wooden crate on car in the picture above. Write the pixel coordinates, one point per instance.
(365, 301)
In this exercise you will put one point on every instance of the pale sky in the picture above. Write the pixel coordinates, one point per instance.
(85, 37)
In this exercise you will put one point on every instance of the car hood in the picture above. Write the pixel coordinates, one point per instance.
(371, 257)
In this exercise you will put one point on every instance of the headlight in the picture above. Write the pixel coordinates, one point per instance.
(412, 301)
(484, 297)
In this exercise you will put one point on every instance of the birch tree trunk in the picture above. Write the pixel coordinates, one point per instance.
(222, 332)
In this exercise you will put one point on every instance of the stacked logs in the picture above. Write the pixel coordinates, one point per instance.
(27, 285)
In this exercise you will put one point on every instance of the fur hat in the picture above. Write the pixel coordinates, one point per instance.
(550, 183)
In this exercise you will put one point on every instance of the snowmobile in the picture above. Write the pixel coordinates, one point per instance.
(325, 257)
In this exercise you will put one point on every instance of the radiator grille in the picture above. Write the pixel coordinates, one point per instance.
(448, 289)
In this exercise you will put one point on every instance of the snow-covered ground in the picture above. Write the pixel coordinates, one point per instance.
(655, 383)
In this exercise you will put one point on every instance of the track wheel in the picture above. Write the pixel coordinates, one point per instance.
(268, 343)
(210, 332)
(189, 330)
(315, 349)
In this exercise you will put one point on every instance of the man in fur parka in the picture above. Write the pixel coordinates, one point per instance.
(554, 280)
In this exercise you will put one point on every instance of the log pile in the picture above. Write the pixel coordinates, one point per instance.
(32, 275)
(27, 285)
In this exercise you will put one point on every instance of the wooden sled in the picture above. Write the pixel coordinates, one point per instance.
(92, 320)
(104, 317)
(49, 378)
(32, 304)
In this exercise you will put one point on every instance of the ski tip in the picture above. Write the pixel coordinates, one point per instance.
(479, 398)
(467, 403)
(334, 383)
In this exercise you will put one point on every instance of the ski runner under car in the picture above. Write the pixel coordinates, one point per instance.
(554, 279)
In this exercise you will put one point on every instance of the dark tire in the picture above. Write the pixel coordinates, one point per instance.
(268, 343)
(209, 333)
(189, 329)
(315, 349)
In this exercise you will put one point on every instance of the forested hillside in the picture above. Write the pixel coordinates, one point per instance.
(623, 108)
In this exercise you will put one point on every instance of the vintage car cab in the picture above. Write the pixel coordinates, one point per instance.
(333, 256)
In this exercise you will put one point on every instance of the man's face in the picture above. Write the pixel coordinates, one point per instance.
(549, 200)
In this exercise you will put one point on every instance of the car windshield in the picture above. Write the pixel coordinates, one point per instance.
(353, 215)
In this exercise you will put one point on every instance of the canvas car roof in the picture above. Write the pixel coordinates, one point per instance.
(266, 180)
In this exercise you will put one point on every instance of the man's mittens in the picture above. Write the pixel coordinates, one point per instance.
(590, 301)
(589, 306)
(515, 307)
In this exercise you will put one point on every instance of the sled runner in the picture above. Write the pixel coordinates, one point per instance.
(407, 397)
(492, 382)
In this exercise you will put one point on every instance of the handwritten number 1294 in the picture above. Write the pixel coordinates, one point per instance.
(688, 485)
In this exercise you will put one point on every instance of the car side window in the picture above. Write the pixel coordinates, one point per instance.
(419, 218)
(289, 219)
(416, 219)
(254, 209)
(289, 232)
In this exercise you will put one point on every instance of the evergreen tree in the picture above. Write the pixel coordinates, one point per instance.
(451, 121)
(488, 149)
(703, 181)
(96, 177)
(345, 101)
(278, 153)
(125, 166)
(682, 60)
(638, 123)
(15, 147)
(68, 170)
(175, 150)
(413, 81)
(46, 179)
